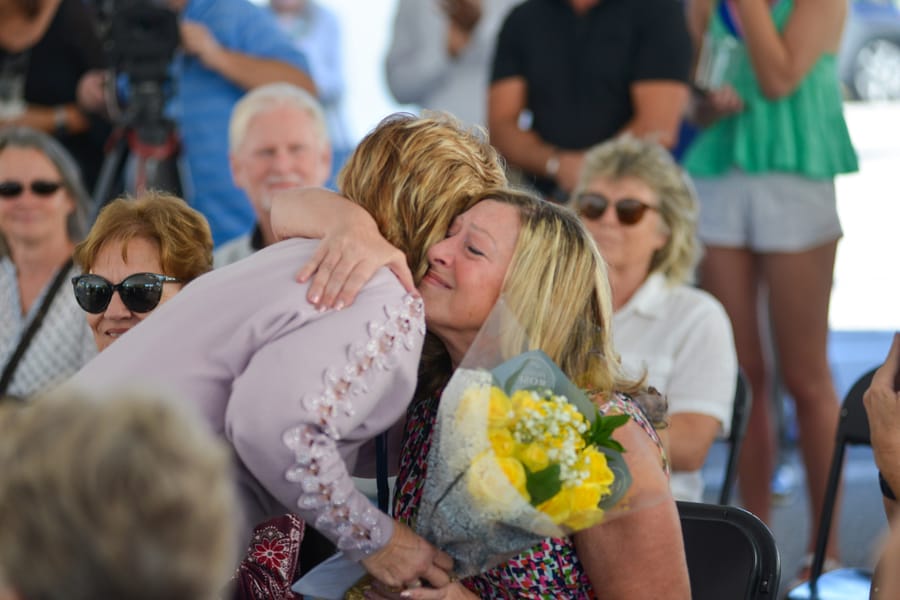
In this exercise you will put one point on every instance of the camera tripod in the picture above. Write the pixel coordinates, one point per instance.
(143, 151)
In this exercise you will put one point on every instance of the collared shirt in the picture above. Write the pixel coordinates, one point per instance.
(238, 248)
(682, 337)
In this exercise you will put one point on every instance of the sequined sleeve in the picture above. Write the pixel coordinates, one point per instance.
(307, 397)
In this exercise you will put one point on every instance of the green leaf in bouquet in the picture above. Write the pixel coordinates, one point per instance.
(600, 433)
(543, 485)
(534, 370)
(622, 481)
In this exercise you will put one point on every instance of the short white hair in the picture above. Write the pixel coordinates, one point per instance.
(267, 97)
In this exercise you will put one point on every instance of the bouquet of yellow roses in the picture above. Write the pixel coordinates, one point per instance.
(519, 454)
(549, 452)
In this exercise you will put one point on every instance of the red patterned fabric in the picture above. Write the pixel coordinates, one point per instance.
(269, 566)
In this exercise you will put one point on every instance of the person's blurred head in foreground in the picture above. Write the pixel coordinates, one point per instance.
(125, 497)
(138, 254)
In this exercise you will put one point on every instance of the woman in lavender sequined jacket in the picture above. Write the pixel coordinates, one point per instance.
(297, 390)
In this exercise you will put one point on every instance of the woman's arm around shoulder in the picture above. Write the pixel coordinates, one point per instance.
(352, 248)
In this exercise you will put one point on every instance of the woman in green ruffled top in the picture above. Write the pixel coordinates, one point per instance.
(764, 168)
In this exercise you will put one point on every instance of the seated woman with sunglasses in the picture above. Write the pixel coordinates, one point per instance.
(43, 339)
(138, 254)
(679, 334)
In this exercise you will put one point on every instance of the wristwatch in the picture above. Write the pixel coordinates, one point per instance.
(551, 168)
(60, 120)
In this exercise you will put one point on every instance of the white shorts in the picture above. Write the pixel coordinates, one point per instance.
(773, 212)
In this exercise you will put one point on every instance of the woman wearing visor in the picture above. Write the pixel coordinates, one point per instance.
(138, 254)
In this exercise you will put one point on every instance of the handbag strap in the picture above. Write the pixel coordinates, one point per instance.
(381, 471)
(33, 327)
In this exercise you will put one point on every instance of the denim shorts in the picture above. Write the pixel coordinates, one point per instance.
(772, 212)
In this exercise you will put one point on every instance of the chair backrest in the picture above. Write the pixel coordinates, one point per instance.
(740, 416)
(853, 428)
(730, 553)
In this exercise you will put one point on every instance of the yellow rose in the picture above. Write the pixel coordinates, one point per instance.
(594, 462)
(559, 507)
(500, 411)
(471, 405)
(502, 442)
(586, 496)
(533, 456)
(525, 404)
(490, 482)
(515, 472)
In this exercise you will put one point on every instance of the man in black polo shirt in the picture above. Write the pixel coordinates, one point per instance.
(586, 70)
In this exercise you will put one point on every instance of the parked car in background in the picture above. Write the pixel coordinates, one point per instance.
(869, 59)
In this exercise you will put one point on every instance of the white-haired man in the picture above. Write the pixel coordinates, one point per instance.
(277, 139)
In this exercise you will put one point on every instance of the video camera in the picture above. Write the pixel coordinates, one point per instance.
(140, 38)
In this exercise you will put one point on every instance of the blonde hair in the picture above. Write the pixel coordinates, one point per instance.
(415, 174)
(556, 286)
(269, 96)
(653, 165)
(182, 234)
(125, 497)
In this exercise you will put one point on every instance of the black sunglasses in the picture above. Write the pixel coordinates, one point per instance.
(591, 205)
(140, 292)
(39, 187)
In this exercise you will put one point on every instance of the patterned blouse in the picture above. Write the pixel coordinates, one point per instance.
(62, 345)
(550, 569)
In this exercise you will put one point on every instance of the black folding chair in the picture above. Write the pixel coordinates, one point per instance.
(846, 584)
(731, 554)
(740, 416)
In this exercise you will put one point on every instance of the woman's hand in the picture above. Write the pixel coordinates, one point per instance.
(453, 591)
(882, 402)
(91, 90)
(707, 107)
(346, 260)
(352, 248)
(409, 560)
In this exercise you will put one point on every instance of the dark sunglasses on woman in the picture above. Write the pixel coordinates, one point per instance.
(629, 211)
(39, 187)
(139, 292)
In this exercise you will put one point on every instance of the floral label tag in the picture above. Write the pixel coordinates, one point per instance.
(534, 370)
